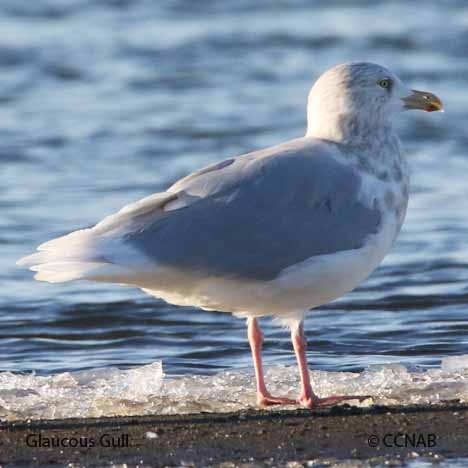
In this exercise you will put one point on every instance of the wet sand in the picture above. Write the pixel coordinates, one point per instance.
(268, 438)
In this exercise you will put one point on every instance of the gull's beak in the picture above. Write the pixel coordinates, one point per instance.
(423, 100)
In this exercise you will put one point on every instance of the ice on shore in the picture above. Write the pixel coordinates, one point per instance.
(145, 390)
(455, 363)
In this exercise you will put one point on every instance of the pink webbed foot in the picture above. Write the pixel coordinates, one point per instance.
(316, 402)
(270, 400)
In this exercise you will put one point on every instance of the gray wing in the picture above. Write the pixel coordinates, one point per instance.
(254, 215)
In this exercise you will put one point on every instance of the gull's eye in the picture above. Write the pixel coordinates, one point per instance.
(385, 83)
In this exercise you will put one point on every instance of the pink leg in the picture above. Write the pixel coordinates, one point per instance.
(264, 398)
(307, 397)
(299, 341)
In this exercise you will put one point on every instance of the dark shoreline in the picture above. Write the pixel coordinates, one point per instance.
(273, 437)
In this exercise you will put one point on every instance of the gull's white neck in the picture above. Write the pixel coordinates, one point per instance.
(371, 144)
(338, 124)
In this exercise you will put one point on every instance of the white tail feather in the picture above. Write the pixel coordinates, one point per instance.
(61, 272)
(98, 253)
(70, 257)
(75, 238)
(79, 245)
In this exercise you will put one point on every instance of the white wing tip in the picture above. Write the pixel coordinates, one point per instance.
(27, 261)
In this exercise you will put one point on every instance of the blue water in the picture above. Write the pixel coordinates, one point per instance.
(102, 103)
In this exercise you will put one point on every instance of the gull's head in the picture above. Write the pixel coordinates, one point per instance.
(355, 99)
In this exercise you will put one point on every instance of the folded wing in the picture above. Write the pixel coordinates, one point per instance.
(255, 215)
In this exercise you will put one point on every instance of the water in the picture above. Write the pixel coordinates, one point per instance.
(102, 103)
